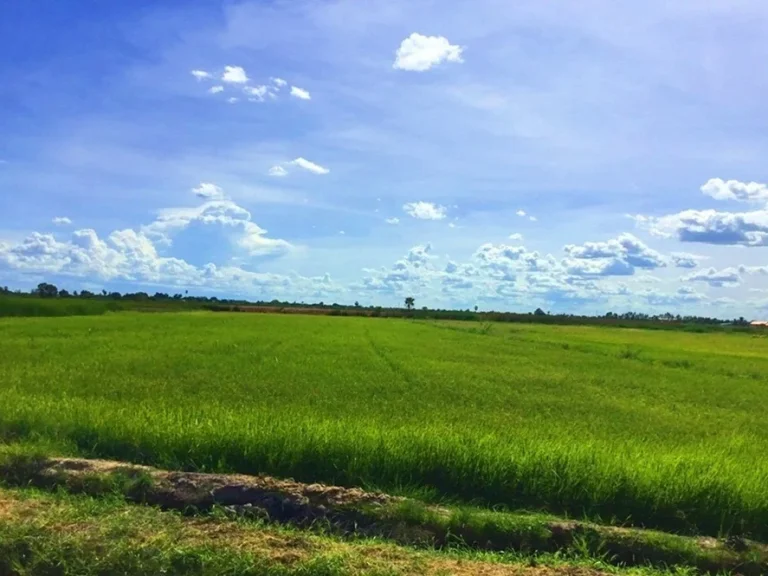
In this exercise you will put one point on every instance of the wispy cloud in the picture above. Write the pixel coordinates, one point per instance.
(277, 171)
(61, 221)
(299, 93)
(392, 220)
(309, 166)
(201, 74)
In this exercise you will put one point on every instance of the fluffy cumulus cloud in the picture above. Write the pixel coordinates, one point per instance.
(208, 190)
(425, 210)
(711, 227)
(300, 93)
(201, 74)
(234, 75)
(419, 53)
(305, 164)
(745, 228)
(685, 260)
(215, 89)
(720, 189)
(495, 273)
(616, 257)
(716, 278)
(134, 255)
(279, 82)
(245, 234)
(61, 221)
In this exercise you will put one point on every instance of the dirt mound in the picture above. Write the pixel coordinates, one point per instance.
(257, 496)
(355, 512)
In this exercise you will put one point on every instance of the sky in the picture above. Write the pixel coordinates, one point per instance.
(581, 157)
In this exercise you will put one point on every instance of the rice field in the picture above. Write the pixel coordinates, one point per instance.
(661, 429)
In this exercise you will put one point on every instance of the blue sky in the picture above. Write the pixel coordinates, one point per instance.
(578, 156)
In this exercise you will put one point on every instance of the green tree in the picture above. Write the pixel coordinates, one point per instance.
(539, 312)
(410, 302)
(45, 290)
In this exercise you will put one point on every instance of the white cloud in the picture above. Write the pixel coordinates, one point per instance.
(209, 191)
(278, 171)
(392, 220)
(279, 82)
(130, 256)
(61, 221)
(616, 257)
(300, 93)
(256, 93)
(200, 74)
(234, 75)
(225, 213)
(425, 210)
(715, 227)
(520, 213)
(215, 89)
(761, 270)
(232, 100)
(532, 218)
(717, 278)
(734, 190)
(517, 237)
(711, 227)
(309, 166)
(685, 260)
(418, 53)
(342, 232)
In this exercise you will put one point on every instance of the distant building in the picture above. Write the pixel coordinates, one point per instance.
(759, 323)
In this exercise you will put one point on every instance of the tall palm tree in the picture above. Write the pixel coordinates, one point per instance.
(409, 302)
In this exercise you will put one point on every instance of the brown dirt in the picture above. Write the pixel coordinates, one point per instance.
(184, 489)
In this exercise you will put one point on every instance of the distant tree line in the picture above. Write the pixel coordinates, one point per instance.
(135, 300)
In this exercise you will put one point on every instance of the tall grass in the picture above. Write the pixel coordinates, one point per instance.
(28, 306)
(507, 417)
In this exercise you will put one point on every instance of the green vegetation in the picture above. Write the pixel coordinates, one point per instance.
(655, 429)
(352, 515)
(63, 534)
(48, 300)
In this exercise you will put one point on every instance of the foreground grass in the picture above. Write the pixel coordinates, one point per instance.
(352, 514)
(42, 533)
(657, 429)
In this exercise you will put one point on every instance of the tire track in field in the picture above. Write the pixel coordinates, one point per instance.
(393, 364)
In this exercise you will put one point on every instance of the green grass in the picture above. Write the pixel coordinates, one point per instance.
(660, 429)
(33, 306)
(65, 534)
(406, 522)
